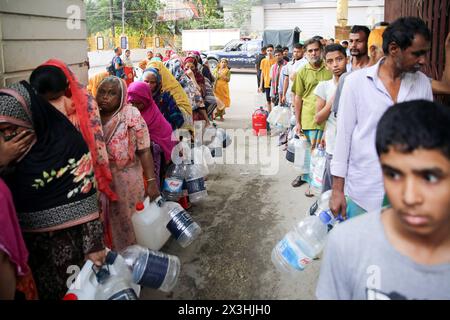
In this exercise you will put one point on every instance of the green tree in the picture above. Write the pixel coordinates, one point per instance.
(210, 16)
(140, 16)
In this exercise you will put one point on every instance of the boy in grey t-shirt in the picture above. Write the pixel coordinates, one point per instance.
(404, 252)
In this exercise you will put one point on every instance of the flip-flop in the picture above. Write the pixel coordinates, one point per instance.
(309, 195)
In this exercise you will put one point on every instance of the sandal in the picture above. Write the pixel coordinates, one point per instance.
(309, 194)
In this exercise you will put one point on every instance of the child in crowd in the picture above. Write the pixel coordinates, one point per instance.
(404, 251)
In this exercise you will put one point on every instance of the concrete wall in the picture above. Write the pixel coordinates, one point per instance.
(32, 32)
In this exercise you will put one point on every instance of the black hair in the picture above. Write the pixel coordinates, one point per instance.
(345, 41)
(402, 31)
(331, 39)
(270, 46)
(263, 48)
(311, 41)
(335, 47)
(317, 38)
(412, 125)
(128, 50)
(45, 79)
(285, 48)
(358, 28)
(116, 49)
(278, 50)
(298, 46)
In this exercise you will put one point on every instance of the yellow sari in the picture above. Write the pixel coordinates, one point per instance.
(169, 83)
(222, 90)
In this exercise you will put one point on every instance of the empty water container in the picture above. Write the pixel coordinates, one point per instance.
(152, 269)
(172, 188)
(195, 181)
(149, 223)
(181, 225)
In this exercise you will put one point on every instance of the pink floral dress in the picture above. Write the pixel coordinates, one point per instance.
(125, 134)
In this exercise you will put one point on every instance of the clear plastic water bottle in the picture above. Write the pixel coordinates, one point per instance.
(172, 188)
(323, 206)
(302, 244)
(302, 148)
(195, 183)
(115, 285)
(152, 269)
(318, 161)
(181, 225)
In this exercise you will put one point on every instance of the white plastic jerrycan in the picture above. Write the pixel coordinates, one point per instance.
(86, 286)
(150, 223)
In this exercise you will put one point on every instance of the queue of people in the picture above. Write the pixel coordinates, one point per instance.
(385, 142)
(75, 161)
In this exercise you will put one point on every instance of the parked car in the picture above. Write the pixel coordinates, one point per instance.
(241, 54)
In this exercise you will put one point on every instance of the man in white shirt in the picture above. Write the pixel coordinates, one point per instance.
(289, 71)
(366, 95)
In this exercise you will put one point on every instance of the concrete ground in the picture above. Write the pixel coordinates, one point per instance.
(243, 218)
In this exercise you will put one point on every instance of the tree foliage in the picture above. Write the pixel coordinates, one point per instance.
(141, 17)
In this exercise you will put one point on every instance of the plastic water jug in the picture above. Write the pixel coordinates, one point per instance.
(149, 223)
(318, 161)
(172, 188)
(115, 280)
(181, 225)
(195, 181)
(302, 244)
(87, 287)
(302, 150)
(152, 269)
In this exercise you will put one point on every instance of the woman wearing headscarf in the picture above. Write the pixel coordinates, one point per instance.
(163, 99)
(203, 67)
(171, 85)
(193, 92)
(54, 189)
(59, 86)
(128, 144)
(221, 89)
(159, 129)
(203, 84)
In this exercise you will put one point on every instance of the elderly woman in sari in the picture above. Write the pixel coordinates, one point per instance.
(171, 85)
(163, 99)
(53, 188)
(128, 144)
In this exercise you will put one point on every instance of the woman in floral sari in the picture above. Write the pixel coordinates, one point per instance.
(53, 187)
(128, 145)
